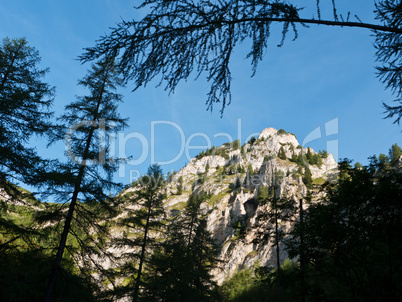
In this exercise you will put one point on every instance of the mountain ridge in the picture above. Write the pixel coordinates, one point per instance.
(232, 175)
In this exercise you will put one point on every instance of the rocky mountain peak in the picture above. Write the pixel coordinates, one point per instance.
(278, 137)
(232, 175)
(267, 132)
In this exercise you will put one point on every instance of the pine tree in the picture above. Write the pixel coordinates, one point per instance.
(144, 219)
(309, 157)
(395, 152)
(25, 102)
(323, 153)
(294, 157)
(264, 194)
(302, 159)
(384, 162)
(148, 218)
(307, 178)
(316, 160)
(180, 269)
(350, 241)
(86, 178)
(250, 170)
(280, 209)
(281, 153)
(236, 144)
(180, 185)
(252, 140)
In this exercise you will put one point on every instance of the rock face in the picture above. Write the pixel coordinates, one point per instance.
(233, 174)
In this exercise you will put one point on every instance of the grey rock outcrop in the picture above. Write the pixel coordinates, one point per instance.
(231, 205)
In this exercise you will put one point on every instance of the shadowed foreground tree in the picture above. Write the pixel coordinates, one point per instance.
(83, 184)
(352, 240)
(350, 243)
(25, 101)
(180, 269)
(143, 223)
(280, 211)
(178, 38)
(150, 218)
(389, 53)
(23, 274)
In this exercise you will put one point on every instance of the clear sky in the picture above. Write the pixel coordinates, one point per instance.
(326, 74)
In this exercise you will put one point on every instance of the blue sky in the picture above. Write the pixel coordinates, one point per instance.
(326, 74)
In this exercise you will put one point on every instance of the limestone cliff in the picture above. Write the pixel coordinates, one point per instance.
(232, 175)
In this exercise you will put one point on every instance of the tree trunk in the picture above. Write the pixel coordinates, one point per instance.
(302, 259)
(144, 244)
(278, 263)
(67, 224)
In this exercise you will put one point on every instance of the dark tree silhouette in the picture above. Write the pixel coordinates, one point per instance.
(88, 175)
(25, 101)
(180, 269)
(145, 218)
(389, 49)
(154, 210)
(281, 209)
(351, 241)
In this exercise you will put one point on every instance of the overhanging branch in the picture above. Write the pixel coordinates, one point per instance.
(268, 19)
(324, 22)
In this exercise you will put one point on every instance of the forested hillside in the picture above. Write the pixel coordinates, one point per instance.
(263, 220)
